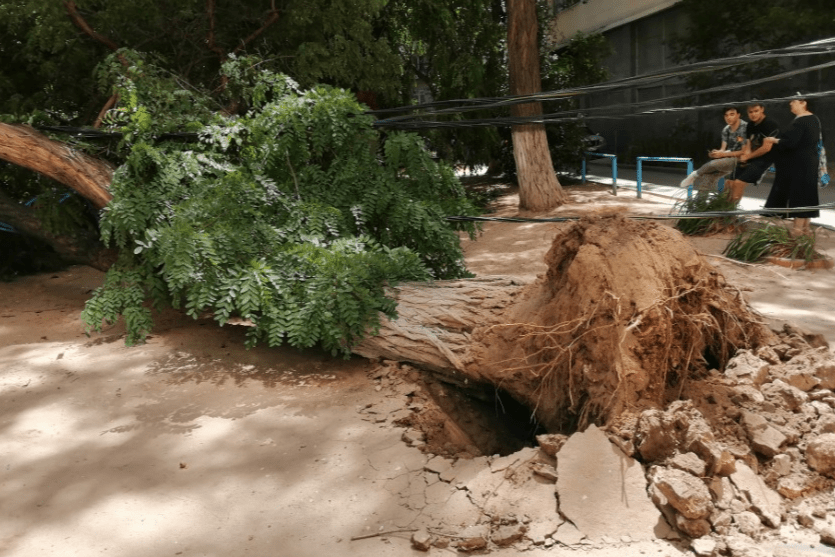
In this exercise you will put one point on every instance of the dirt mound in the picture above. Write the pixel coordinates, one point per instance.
(627, 313)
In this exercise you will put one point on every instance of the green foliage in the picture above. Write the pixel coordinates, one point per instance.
(774, 240)
(701, 202)
(295, 216)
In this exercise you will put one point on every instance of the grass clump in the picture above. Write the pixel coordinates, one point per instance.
(771, 240)
(702, 202)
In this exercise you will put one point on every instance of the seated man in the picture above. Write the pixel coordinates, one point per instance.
(724, 159)
(756, 156)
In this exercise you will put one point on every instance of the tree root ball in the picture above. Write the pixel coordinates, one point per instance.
(627, 313)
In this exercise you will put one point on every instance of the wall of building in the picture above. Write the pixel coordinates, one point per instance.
(641, 34)
(597, 16)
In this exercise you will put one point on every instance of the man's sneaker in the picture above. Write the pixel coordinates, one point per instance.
(687, 182)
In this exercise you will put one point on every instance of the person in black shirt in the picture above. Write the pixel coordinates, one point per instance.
(796, 181)
(755, 156)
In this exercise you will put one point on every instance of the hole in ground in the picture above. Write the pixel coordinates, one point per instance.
(471, 422)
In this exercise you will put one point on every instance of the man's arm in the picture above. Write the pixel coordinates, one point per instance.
(748, 155)
(723, 153)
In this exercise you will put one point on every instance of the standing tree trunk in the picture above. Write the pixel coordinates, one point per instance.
(539, 189)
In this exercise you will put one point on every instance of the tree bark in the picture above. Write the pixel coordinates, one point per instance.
(435, 322)
(539, 189)
(86, 175)
(31, 149)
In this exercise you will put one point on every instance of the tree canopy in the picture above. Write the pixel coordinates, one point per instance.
(247, 179)
(294, 216)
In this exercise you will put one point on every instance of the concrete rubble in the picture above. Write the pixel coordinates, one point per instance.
(753, 463)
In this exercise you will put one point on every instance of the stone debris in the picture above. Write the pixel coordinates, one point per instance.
(765, 440)
(820, 454)
(703, 547)
(746, 367)
(602, 491)
(545, 471)
(827, 535)
(752, 461)
(686, 493)
(764, 500)
(473, 538)
(507, 534)
(748, 523)
(551, 443)
(782, 464)
(689, 462)
(422, 540)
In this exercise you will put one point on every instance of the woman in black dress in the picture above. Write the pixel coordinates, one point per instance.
(796, 164)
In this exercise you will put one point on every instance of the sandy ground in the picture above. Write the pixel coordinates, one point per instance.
(191, 445)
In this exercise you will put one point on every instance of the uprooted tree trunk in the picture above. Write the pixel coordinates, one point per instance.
(626, 315)
(88, 176)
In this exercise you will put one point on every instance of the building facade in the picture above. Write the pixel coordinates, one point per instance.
(641, 34)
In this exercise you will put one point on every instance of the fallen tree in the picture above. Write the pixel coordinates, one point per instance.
(627, 314)
(263, 218)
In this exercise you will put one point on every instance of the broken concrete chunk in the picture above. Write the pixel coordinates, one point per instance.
(820, 454)
(413, 436)
(821, 407)
(765, 501)
(793, 487)
(656, 439)
(785, 395)
(545, 471)
(765, 439)
(703, 547)
(802, 379)
(825, 372)
(782, 464)
(421, 540)
(437, 464)
(689, 462)
(743, 546)
(827, 535)
(722, 491)
(805, 518)
(472, 538)
(512, 460)
(721, 522)
(507, 534)
(746, 367)
(550, 443)
(748, 523)
(464, 470)
(603, 491)
(826, 423)
(768, 354)
(695, 528)
(685, 492)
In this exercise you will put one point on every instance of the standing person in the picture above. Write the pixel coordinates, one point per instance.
(796, 181)
(755, 156)
(707, 176)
